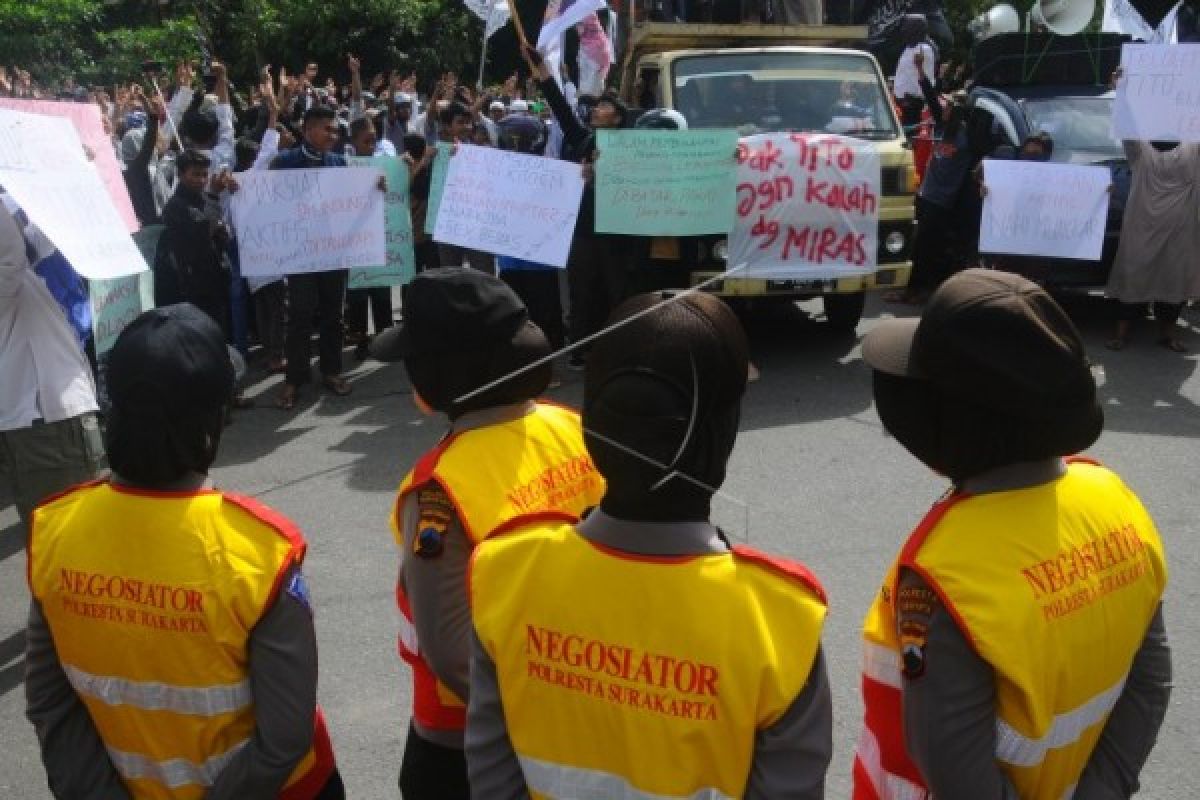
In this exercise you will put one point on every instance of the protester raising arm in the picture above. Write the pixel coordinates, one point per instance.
(182, 97)
(223, 151)
(574, 131)
(357, 108)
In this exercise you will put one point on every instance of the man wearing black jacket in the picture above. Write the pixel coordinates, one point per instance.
(598, 266)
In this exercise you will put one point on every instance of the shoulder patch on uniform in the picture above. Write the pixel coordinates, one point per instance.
(297, 587)
(790, 569)
(435, 511)
(914, 611)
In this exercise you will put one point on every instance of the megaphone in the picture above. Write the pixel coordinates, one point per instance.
(999, 19)
(1063, 17)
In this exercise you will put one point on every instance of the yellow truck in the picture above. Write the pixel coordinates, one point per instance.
(765, 78)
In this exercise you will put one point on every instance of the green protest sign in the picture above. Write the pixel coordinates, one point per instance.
(397, 222)
(666, 183)
(437, 184)
(118, 301)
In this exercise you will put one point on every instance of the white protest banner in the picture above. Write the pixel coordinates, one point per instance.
(665, 183)
(89, 124)
(67, 201)
(290, 221)
(807, 207)
(1038, 209)
(510, 204)
(1158, 95)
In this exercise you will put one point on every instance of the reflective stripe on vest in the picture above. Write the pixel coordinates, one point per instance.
(206, 701)
(1067, 728)
(887, 786)
(563, 781)
(882, 665)
(175, 772)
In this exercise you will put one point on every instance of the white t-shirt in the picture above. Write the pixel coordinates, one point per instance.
(907, 82)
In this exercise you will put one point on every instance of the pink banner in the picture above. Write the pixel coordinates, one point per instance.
(90, 126)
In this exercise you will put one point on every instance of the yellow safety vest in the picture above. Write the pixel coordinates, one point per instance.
(535, 464)
(640, 677)
(151, 598)
(1054, 586)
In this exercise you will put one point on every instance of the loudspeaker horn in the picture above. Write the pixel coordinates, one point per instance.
(998, 19)
(1063, 17)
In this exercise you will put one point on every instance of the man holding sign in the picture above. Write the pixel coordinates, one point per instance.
(312, 293)
(1158, 259)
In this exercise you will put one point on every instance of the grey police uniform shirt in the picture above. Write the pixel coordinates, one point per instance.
(436, 582)
(283, 679)
(790, 758)
(950, 709)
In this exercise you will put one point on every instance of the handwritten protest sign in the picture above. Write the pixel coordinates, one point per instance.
(290, 221)
(510, 204)
(665, 183)
(1039, 209)
(397, 226)
(1158, 96)
(90, 127)
(118, 301)
(807, 207)
(437, 184)
(66, 201)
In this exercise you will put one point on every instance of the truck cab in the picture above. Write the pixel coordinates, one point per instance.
(770, 78)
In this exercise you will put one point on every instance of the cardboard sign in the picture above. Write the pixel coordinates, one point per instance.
(291, 221)
(665, 183)
(1038, 209)
(1158, 96)
(510, 204)
(65, 199)
(397, 225)
(807, 207)
(437, 184)
(118, 301)
(90, 126)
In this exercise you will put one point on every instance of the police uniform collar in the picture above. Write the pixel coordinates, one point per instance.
(1022, 475)
(652, 538)
(483, 417)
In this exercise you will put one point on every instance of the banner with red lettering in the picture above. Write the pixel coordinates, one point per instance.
(807, 207)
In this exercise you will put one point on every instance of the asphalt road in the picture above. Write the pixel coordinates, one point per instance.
(813, 477)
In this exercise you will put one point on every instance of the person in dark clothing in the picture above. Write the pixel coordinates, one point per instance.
(137, 171)
(191, 266)
(422, 154)
(598, 265)
(957, 148)
(314, 292)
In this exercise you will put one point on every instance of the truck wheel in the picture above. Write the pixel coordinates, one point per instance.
(843, 311)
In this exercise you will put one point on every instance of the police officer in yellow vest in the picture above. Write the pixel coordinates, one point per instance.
(637, 654)
(171, 651)
(472, 354)
(1016, 648)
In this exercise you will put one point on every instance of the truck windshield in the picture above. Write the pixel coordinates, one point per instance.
(1080, 126)
(757, 92)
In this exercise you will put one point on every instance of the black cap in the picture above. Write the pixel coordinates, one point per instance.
(994, 339)
(172, 357)
(451, 309)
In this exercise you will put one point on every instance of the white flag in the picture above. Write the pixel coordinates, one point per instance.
(493, 12)
(1120, 16)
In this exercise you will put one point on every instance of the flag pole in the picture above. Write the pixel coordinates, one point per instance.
(512, 12)
(483, 54)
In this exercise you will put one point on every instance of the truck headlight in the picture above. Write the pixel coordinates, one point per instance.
(894, 243)
(720, 250)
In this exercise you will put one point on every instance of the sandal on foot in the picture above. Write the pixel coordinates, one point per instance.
(1174, 345)
(337, 385)
(287, 398)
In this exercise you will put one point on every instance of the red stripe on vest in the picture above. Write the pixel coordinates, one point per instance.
(323, 766)
(282, 526)
(791, 569)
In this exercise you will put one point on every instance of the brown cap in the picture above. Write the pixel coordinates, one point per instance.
(993, 339)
